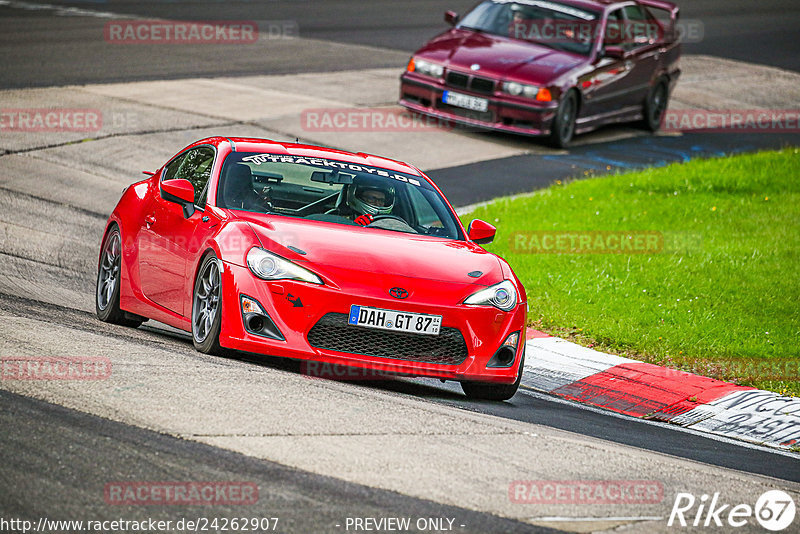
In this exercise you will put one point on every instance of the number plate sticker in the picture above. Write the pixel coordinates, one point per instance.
(465, 101)
(416, 323)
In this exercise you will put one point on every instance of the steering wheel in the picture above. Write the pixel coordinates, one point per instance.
(378, 218)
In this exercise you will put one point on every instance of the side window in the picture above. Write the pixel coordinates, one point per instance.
(641, 29)
(195, 166)
(614, 29)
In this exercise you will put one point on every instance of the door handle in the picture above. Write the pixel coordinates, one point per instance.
(149, 220)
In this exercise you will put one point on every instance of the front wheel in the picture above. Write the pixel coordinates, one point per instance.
(207, 307)
(494, 392)
(106, 302)
(563, 127)
(655, 105)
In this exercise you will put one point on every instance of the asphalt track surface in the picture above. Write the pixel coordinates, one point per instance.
(40, 49)
(89, 446)
(764, 33)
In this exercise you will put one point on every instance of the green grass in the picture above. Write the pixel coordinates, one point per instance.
(725, 288)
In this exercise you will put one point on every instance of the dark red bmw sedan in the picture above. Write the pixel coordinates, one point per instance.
(548, 68)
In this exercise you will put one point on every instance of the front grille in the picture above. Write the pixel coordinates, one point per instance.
(456, 79)
(482, 85)
(465, 81)
(332, 332)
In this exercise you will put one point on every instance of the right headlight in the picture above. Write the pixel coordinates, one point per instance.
(426, 68)
(502, 296)
(270, 266)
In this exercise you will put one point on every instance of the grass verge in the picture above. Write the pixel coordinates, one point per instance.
(692, 266)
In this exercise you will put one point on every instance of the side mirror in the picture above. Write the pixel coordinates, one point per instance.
(180, 192)
(481, 232)
(451, 17)
(614, 52)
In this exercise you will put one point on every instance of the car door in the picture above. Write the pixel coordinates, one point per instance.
(606, 88)
(643, 43)
(168, 234)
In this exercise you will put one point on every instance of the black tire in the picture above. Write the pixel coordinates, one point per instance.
(655, 105)
(494, 392)
(109, 272)
(207, 307)
(563, 127)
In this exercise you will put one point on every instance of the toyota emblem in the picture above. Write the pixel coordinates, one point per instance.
(398, 293)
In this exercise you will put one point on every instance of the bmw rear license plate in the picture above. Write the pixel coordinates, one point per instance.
(416, 323)
(465, 101)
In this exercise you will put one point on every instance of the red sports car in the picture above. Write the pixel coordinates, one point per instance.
(548, 67)
(316, 254)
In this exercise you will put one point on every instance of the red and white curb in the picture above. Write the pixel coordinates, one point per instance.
(630, 387)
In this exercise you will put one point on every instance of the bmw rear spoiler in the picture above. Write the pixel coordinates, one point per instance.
(670, 8)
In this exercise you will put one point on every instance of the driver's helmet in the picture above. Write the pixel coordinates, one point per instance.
(370, 195)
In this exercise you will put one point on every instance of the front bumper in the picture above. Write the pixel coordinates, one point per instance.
(504, 114)
(483, 329)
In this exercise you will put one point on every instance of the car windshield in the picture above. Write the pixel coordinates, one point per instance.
(334, 191)
(551, 24)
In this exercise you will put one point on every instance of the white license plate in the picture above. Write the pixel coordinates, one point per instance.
(417, 323)
(465, 101)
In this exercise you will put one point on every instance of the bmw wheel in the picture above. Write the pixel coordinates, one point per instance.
(563, 127)
(655, 105)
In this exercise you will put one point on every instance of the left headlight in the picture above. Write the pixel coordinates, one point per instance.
(502, 296)
(528, 91)
(270, 266)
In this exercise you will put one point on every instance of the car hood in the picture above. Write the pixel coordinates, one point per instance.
(335, 248)
(500, 57)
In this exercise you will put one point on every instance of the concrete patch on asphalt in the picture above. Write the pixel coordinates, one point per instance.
(709, 82)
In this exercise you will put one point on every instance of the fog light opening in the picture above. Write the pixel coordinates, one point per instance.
(505, 356)
(255, 323)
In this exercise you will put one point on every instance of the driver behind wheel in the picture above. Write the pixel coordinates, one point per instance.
(368, 198)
